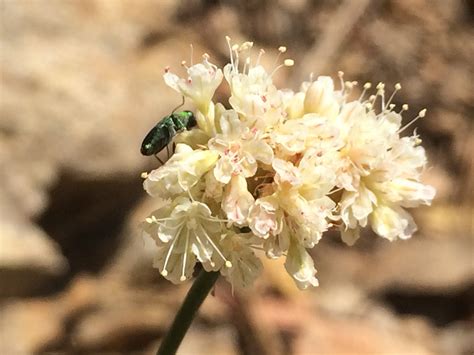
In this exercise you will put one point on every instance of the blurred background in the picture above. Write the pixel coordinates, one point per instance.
(81, 84)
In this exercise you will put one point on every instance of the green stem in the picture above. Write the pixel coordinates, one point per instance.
(195, 297)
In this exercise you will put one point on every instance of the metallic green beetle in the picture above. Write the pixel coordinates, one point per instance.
(162, 134)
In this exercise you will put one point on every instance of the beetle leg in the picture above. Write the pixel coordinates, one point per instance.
(168, 150)
(156, 156)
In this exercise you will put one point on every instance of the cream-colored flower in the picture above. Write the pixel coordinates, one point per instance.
(320, 98)
(302, 193)
(185, 231)
(246, 266)
(237, 200)
(200, 85)
(265, 217)
(386, 187)
(181, 172)
(300, 266)
(283, 167)
(239, 147)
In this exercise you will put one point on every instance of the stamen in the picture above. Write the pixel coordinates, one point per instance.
(381, 92)
(398, 87)
(262, 52)
(153, 219)
(247, 63)
(213, 219)
(340, 74)
(245, 46)
(183, 271)
(421, 114)
(202, 246)
(367, 86)
(404, 108)
(165, 272)
(227, 262)
(227, 38)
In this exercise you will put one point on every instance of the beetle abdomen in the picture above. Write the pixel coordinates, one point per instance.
(156, 139)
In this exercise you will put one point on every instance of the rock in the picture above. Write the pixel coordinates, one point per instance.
(205, 341)
(29, 261)
(424, 265)
(36, 325)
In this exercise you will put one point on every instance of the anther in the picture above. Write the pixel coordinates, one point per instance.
(164, 273)
(144, 175)
(228, 263)
(182, 278)
(282, 49)
(422, 113)
(405, 107)
(289, 62)
(398, 86)
(245, 46)
(367, 86)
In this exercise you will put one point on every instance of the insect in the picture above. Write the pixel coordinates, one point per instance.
(162, 134)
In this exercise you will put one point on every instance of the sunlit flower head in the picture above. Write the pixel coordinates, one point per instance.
(268, 171)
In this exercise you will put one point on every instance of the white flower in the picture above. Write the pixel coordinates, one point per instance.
(300, 266)
(200, 85)
(239, 148)
(246, 266)
(265, 217)
(301, 193)
(237, 200)
(320, 98)
(185, 231)
(391, 222)
(277, 170)
(181, 172)
(386, 170)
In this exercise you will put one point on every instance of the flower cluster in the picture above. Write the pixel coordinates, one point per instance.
(274, 171)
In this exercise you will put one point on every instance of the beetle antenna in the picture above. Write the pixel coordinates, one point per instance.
(177, 107)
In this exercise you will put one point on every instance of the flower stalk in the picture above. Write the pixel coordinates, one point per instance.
(195, 297)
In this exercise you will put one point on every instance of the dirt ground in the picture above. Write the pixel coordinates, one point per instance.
(81, 83)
